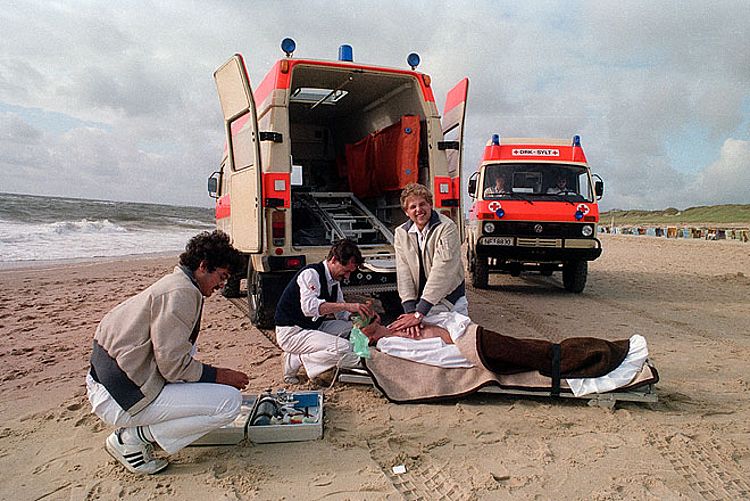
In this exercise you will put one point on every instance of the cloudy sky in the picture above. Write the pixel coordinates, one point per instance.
(115, 100)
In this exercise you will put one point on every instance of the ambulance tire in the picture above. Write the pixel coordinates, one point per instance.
(232, 287)
(574, 276)
(260, 309)
(392, 308)
(481, 273)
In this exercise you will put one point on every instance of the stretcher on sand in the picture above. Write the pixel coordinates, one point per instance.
(403, 380)
(532, 384)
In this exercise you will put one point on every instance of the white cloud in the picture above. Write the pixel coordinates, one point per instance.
(630, 76)
(726, 180)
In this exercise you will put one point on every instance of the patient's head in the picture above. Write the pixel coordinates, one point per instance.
(374, 330)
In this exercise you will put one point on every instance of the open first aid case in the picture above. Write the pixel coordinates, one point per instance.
(272, 417)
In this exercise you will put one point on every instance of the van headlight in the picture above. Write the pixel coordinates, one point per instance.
(489, 227)
(587, 230)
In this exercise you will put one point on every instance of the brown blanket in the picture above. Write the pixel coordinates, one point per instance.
(576, 357)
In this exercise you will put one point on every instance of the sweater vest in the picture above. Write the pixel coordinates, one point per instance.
(288, 309)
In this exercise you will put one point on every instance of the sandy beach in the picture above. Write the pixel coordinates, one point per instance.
(689, 298)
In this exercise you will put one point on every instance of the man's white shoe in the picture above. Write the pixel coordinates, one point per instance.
(292, 365)
(136, 458)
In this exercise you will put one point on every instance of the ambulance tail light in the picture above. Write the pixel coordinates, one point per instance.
(443, 191)
(427, 80)
(278, 228)
(294, 262)
(283, 263)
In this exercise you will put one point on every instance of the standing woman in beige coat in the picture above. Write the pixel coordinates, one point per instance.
(428, 262)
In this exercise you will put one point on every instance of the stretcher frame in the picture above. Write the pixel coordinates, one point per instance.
(608, 400)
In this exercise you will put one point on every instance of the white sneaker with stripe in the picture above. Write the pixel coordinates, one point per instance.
(136, 458)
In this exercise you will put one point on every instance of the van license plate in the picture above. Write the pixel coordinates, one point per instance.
(497, 240)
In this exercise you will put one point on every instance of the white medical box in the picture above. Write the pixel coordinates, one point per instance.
(310, 402)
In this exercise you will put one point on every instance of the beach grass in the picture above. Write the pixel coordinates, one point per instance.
(733, 214)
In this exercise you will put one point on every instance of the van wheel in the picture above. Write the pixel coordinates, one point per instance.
(574, 275)
(480, 273)
(261, 313)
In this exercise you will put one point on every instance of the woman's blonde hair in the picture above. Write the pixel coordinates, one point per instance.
(415, 190)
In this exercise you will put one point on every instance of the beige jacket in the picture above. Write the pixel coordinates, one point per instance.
(147, 341)
(443, 265)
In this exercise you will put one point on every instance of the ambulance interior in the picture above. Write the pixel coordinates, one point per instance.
(356, 140)
(538, 181)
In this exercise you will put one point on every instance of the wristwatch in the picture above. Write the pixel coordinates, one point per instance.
(418, 316)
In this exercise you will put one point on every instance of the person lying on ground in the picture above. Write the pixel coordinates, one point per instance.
(578, 358)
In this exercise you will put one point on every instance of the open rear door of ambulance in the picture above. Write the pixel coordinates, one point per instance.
(243, 153)
(454, 113)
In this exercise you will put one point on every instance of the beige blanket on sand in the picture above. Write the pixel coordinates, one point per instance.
(404, 381)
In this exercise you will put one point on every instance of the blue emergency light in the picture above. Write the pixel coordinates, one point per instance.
(495, 139)
(500, 213)
(346, 53)
(579, 215)
(288, 46)
(413, 60)
(577, 141)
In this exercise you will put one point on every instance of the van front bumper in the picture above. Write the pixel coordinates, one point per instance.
(539, 249)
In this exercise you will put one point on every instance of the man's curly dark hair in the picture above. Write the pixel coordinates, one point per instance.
(216, 249)
(344, 250)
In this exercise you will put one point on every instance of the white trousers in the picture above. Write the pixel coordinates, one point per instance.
(321, 349)
(180, 415)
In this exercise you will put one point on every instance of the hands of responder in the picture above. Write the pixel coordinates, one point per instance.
(231, 377)
(362, 309)
(410, 323)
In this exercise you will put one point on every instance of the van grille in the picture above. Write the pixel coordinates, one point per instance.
(526, 229)
(539, 242)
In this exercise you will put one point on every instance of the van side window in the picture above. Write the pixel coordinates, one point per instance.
(242, 143)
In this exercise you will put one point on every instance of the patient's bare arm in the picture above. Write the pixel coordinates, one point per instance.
(376, 331)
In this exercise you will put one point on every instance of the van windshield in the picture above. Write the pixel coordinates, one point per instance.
(540, 181)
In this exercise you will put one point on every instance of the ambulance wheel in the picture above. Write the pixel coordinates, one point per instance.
(481, 273)
(391, 306)
(259, 310)
(574, 275)
(232, 287)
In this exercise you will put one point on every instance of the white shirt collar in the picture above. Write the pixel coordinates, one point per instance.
(329, 277)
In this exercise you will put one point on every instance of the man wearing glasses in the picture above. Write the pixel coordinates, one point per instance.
(143, 377)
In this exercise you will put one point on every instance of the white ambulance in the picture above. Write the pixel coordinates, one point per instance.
(319, 151)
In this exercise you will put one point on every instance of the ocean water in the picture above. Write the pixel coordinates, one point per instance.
(35, 228)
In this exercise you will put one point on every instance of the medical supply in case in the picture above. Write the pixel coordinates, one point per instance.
(271, 417)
